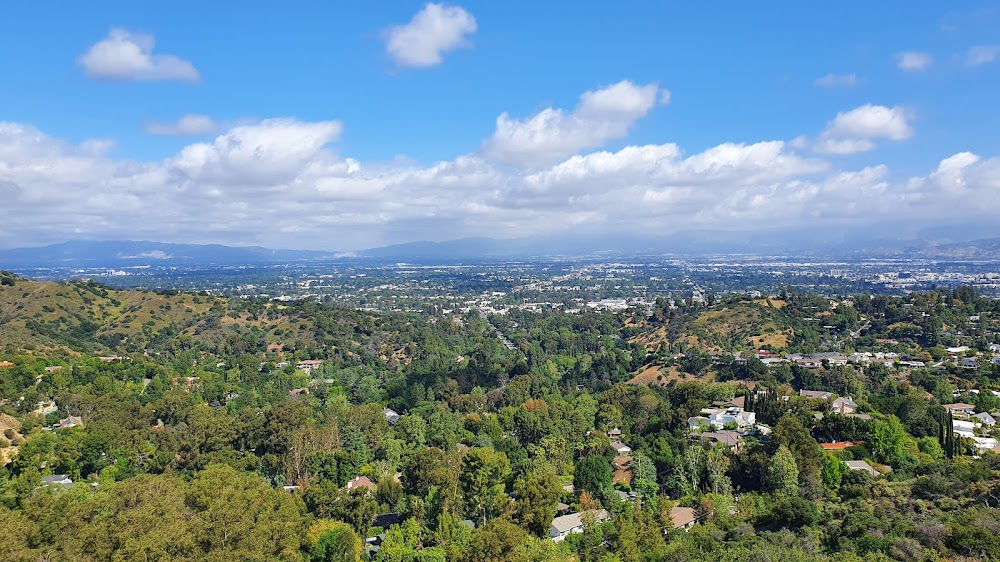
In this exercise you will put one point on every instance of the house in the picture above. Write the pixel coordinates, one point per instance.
(683, 517)
(57, 481)
(53, 368)
(615, 434)
(391, 416)
(960, 409)
(727, 437)
(862, 466)
(45, 407)
(291, 489)
(296, 392)
(566, 525)
(361, 482)
(718, 418)
(309, 365)
(5, 364)
(844, 405)
(840, 446)
(71, 421)
(820, 394)
(986, 419)
(969, 363)
(622, 448)
(627, 496)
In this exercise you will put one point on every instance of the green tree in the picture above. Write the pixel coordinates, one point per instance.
(783, 473)
(888, 440)
(593, 474)
(498, 541)
(535, 497)
(483, 479)
(334, 541)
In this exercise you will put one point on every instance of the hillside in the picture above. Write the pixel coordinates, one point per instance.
(83, 316)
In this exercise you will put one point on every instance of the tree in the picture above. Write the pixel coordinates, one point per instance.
(535, 497)
(783, 473)
(483, 480)
(498, 541)
(833, 471)
(593, 474)
(790, 432)
(888, 440)
(334, 541)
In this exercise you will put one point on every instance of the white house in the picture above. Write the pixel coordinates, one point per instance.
(622, 448)
(738, 416)
(986, 419)
(566, 525)
(391, 416)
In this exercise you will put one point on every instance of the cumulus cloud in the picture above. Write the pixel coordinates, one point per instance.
(852, 131)
(190, 125)
(913, 61)
(553, 134)
(982, 54)
(283, 183)
(837, 81)
(433, 31)
(124, 55)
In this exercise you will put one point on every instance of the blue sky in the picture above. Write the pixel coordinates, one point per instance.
(377, 122)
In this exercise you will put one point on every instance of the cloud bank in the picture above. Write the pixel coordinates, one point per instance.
(283, 183)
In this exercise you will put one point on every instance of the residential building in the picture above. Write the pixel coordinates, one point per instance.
(862, 466)
(57, 481)
(362, 482)
(71, 421)
(391, 416)
(566, 525)
(622, 448)
(309, 365)
(844, 405)
(683, 517)
(727, 437)
(840, 445)
(960, 409)
(820, 394)
(718, 418)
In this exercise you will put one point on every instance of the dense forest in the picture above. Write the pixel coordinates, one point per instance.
(173, 426)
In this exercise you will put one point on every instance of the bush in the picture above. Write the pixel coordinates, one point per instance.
(4, 443)
(795, 512)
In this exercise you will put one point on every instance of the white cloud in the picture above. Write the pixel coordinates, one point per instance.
(982, 54)
(843, 146)
(433, 31)
(554, 134)
(852, 131)
(282, 183)
(189, 125)
(872, 121)
(837, 81)
(913, 61)
(124, 55)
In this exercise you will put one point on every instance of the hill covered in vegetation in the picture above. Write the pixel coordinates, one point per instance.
(169, 426)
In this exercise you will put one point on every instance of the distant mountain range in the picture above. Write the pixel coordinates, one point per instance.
(89, 254)
(119, 253)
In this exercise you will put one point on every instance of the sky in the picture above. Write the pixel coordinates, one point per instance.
(342, 126)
